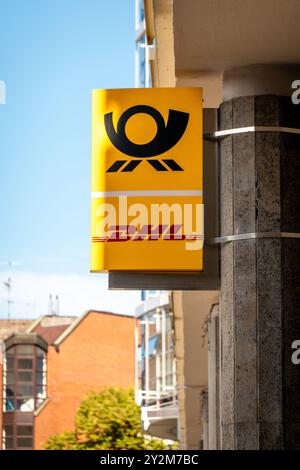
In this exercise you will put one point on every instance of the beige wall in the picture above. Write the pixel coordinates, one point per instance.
(163, 70)
(211, 82)
(191, 310)
(160, 21)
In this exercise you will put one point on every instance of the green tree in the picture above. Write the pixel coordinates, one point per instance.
(63, 441)
(109, 420)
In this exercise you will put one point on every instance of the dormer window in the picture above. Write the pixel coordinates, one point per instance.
(24, 387)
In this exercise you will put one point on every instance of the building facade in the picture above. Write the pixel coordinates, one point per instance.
(143, 51)
(246, 60)
(50, 368)
(155, 382)
(156, 389)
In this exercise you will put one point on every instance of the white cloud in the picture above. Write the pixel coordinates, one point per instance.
(30, 294)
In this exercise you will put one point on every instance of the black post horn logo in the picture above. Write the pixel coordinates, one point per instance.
(166, 137)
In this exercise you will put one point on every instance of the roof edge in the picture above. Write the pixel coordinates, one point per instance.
(34, 324)
(74, 325)
(25, 338)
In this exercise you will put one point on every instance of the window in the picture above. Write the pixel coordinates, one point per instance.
(24, 378)
(152, 345)
(8, 436)
(18, 436)
(24, 437)
(25, 364)
(25, 404)
(24, 430)
(156, 370)
(9, 443)
(25, 349)
(24, 443)
(10, 363)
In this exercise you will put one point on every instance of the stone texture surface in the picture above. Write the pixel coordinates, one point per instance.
(228, 437)
(290, 185)
(269, 324)
(225, 115)
(243, 111)
(244, 301)
(260, 279)
(226, 187)
(267, 158)
(292, 436)
(246, 436)
(289, 115)
(244, 183)
(291, 328)
(271, 436)
(227, 334)
(226, 169)
(266, 109)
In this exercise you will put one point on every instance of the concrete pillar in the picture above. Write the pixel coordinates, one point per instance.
(213, 379)
(260, 277)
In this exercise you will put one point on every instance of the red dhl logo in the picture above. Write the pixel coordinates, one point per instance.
(124, 233)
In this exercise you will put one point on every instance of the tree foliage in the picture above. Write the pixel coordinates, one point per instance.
(109, 420)
(63, 441)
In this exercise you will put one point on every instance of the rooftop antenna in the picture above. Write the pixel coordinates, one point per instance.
(53, 306)
(7, 284)
(50, 305)
(10, 264)
(57, 305)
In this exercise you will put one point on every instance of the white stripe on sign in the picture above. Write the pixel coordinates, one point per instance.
(180, 192)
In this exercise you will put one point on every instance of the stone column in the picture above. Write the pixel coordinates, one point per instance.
(260, 277)
(213, 379)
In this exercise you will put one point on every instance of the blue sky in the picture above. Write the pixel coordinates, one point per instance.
(52, 54)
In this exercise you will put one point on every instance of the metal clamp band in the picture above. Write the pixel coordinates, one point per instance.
(247, 236)
(219, 135)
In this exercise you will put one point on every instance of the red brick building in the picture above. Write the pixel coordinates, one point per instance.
(51, 367)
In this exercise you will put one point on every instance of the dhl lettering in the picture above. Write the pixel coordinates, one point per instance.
(124, 233)
(138, 222)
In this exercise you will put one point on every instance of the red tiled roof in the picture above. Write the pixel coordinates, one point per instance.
(50, 333)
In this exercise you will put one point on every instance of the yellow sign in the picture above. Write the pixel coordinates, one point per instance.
(147, 184)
